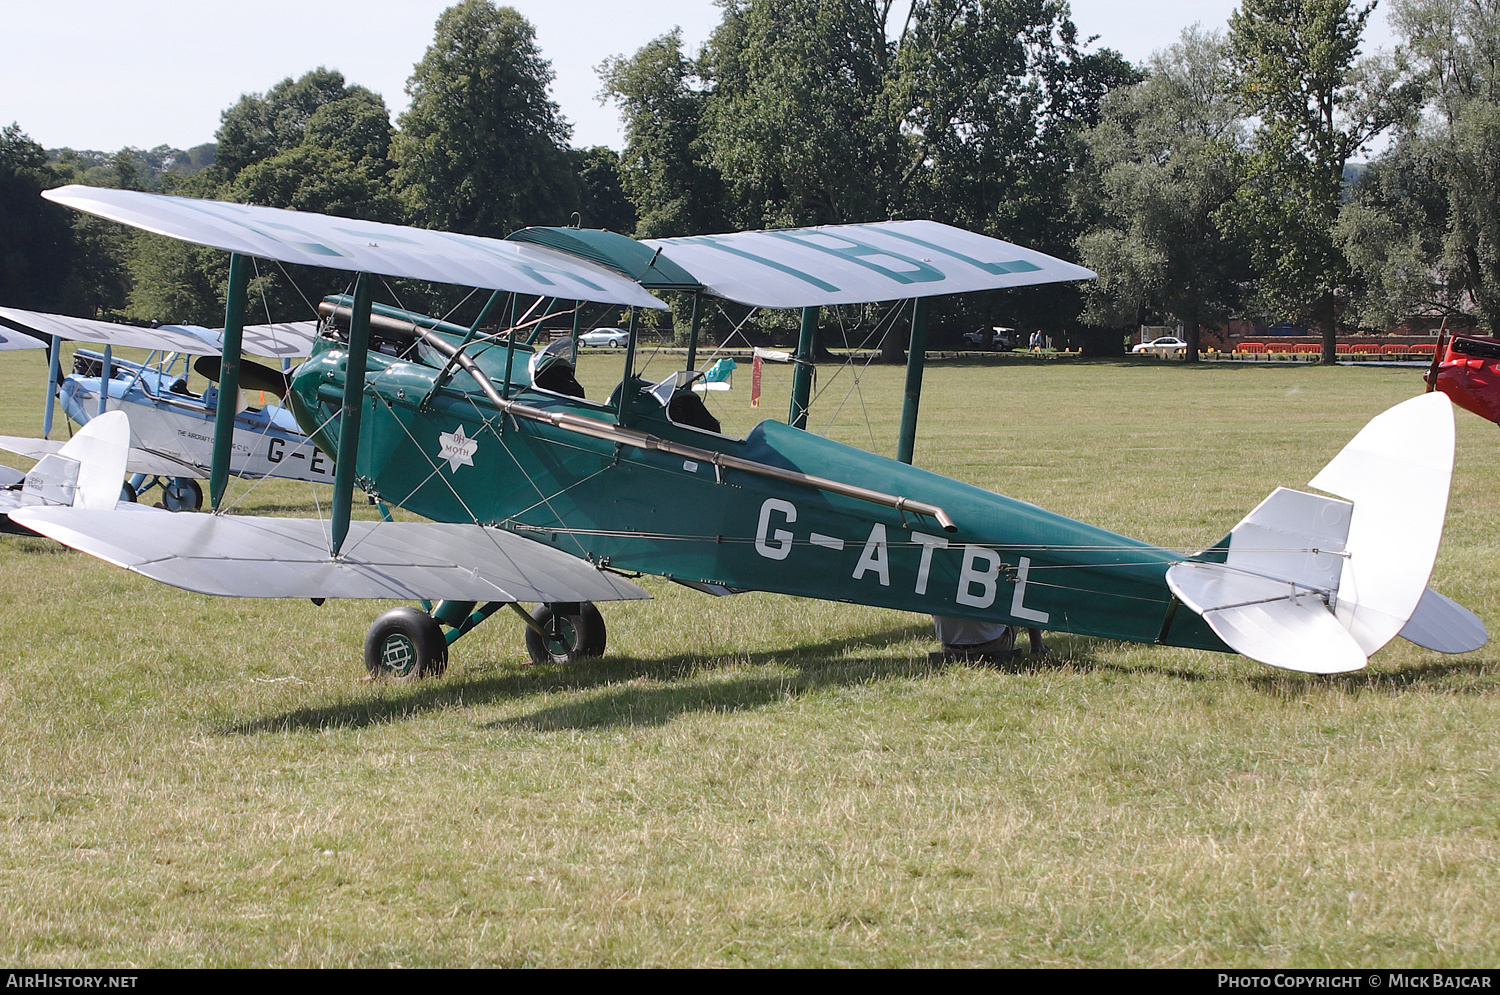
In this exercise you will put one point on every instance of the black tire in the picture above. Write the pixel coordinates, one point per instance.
(127, 493)
(571, 632)
(181, 494)
(405, 643)
(594, 622)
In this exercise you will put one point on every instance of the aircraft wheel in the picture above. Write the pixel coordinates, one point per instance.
(595, 623)
(127, 493)
(405, 643)
(182, 494)
(571, 633)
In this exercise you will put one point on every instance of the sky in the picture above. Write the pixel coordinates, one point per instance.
(105, 74)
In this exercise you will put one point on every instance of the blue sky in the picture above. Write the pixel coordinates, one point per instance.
(103, 74)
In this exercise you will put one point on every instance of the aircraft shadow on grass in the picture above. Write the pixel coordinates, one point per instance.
(1419, 675)
(823, 665)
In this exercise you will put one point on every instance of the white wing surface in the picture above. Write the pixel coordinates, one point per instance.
(10, 340)
(282, 339)
(238, 557)
(852, 264)
(107, 332)
(360, 246)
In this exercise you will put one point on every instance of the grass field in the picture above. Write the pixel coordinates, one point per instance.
(762, 781)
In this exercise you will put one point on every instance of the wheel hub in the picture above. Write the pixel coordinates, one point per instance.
(398, 655)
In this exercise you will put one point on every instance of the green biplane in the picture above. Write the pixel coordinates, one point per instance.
(538, 494)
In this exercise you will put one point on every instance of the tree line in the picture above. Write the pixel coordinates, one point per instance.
(1220, 179)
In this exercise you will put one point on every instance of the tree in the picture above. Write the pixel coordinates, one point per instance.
(825, 111)
(665, 169)
(36, 253)
(1163, 160)
(314, 143)
(802, 124)
(481, 149)
(1456, 46)
(259, 127)
(601, 195)
(1296, 71)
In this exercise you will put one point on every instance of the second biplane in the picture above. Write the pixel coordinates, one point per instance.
(539, 494)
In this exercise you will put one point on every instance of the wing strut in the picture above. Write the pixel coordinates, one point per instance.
(53, 369)
(802, 373)
(916, 359)
(354, 395)
(229, 378)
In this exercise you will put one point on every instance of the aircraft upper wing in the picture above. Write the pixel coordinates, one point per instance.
(363, 246)
(852, 264)
(11, 339)
(105, 332)
(279, 339)
(239, 557)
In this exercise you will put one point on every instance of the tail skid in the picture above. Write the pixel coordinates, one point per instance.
(1316, 584)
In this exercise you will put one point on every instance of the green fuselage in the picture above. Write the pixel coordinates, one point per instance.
(450, 456)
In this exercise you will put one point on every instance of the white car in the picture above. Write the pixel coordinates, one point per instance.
(612, 337)
(1168, 346)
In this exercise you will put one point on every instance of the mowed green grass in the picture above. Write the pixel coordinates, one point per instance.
(763, 781)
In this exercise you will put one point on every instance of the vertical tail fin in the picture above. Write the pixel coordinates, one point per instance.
(88, 470)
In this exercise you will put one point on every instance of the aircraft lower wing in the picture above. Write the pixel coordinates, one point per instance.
(233, 556)
(138, 460)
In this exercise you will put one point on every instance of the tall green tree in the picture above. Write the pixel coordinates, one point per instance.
(1455, 44)
(601, 193)
(482, 148)
(665, 169)
(1165, 157)
(315, 143)
(36, 252)
(802, 124)
(260, 126)
(1297, 71)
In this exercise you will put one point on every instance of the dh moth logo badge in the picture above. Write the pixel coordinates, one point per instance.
(457, 449)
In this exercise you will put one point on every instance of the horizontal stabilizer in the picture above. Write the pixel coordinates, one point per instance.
(234, 556)
(1442, 624)
(136, 461)
(1276, 622)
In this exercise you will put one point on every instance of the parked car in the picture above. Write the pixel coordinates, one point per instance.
(1169, 346)
(995, 337)
(612, 337)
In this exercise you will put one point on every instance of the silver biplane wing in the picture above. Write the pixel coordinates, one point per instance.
(855, 264)
(362, 246)
(280, 339)
(108, 333)
(239, 557)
